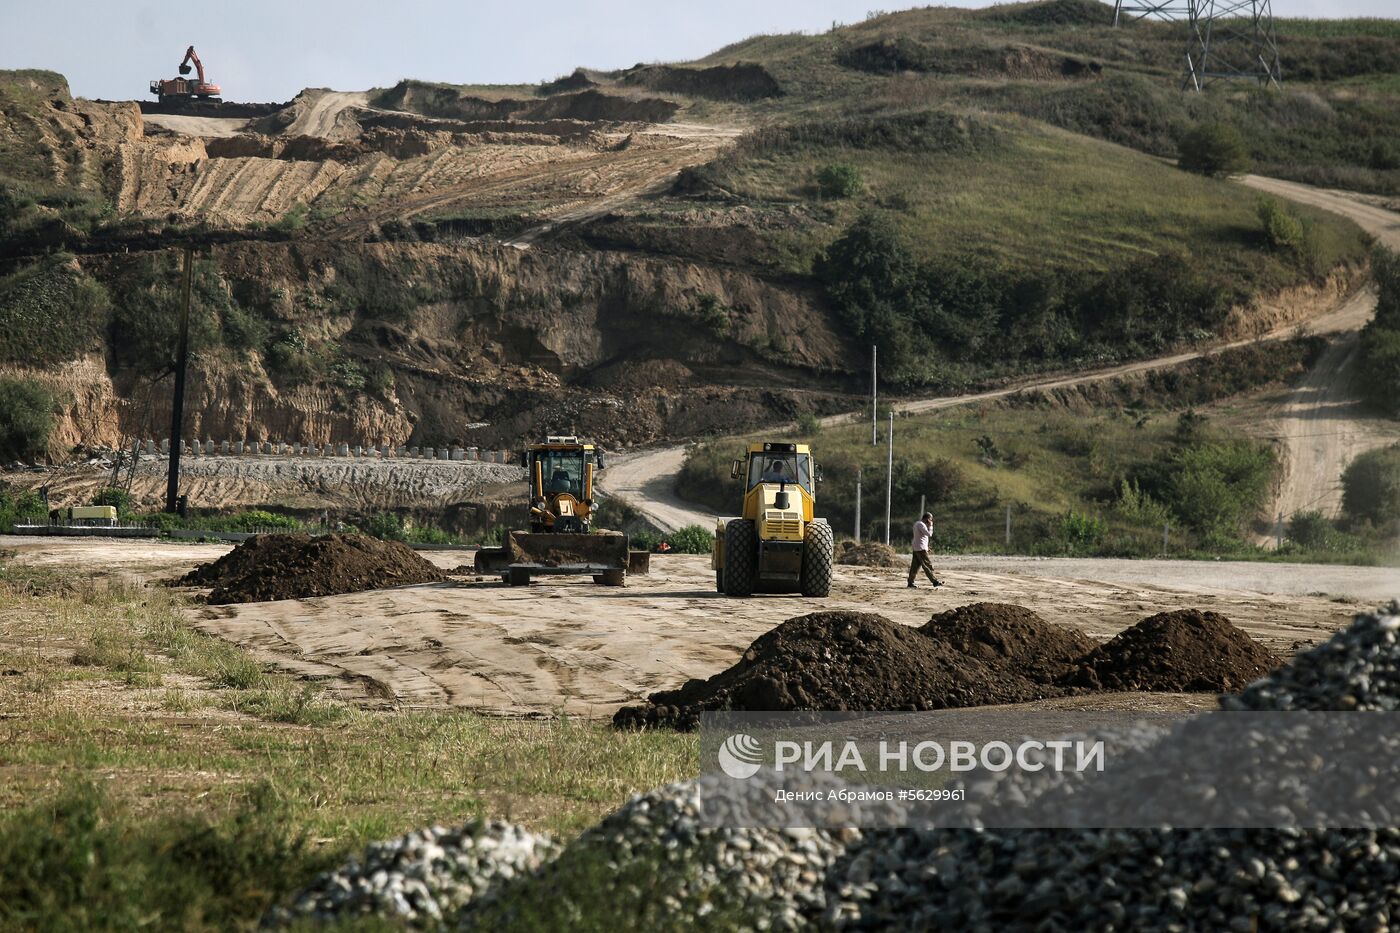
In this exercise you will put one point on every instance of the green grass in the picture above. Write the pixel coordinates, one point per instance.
(156, 776)
(1032, 195)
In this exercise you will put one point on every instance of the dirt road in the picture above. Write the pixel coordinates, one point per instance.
(572, 647)
(1323, 425)
(321, 117)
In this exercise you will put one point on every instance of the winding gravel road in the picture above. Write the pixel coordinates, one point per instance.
(1320, 428)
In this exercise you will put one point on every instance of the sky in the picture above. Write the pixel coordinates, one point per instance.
(260, 50)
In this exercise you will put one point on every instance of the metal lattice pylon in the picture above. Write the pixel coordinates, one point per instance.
(1232, 40)
(1170, 10)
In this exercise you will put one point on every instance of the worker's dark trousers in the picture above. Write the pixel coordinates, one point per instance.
(919, 561)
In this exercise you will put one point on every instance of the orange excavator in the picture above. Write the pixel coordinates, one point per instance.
(183, 88)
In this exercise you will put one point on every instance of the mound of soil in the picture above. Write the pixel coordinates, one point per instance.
(577, 81)
(741, 81)
(867, 554)
(1011, 639)
(838, 661)
(1185, 650)
(297, 566)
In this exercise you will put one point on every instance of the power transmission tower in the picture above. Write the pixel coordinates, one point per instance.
(1232, 40)
(1226, 39)
(1169, 10)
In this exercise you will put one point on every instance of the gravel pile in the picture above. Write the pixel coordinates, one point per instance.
(1241, 880)
(1358, 668)
(421, 878)
(654, 863)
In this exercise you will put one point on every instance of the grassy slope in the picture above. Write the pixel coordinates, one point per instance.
(1042, 196)
(193, 747)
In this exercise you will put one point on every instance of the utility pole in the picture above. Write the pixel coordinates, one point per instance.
(874, 396)
(889, 479)
(857, 505)
(177, 409)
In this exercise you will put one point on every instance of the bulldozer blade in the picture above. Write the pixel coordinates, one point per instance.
(589, 553)
(491, 560)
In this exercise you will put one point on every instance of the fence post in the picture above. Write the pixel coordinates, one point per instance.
(889, 480)
(857, 505)
(1166, 531)
(1008, 526)
(1278, 533)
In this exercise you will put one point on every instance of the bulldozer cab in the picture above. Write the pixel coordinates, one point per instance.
(561, 474)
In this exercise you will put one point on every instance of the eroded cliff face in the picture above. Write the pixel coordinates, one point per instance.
(471, 341)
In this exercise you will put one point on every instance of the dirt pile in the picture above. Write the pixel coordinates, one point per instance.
(1185, 650)
(838, 661)
(298, 566)
(867, 554)
(1011, 639)
(743, 81)
(975, 655)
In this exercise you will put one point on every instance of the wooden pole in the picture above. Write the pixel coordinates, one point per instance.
(177, 409)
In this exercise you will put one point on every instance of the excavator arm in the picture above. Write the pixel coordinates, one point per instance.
(190, 56)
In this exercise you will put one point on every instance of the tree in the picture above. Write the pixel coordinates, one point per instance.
(1371, 486)
(26, 418)
(875, 283)
(1214, 149)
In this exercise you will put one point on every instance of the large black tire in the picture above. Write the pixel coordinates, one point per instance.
(818, 550)
(740, 557)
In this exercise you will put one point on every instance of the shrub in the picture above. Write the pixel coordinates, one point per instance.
(115, 496)
(1371, 486)
(692, 539)
(1079, 532)
(1380, 340)
(1214, 488)
(386, 526)
(1310, 529)
(808, 424)
(20, 507)
(839, 180)
(1214, 149)
(1282, 229)
(26, 418)
(1138, 507)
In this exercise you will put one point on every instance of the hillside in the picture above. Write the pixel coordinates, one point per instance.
(669, 250)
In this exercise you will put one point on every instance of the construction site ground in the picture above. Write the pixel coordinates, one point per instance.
(567, 646)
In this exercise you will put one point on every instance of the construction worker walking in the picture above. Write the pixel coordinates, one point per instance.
(923, 528)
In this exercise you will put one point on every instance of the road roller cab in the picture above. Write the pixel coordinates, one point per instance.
(777, 544)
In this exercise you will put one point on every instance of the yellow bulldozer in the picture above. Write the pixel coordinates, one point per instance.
(776, 545)
(560, 539)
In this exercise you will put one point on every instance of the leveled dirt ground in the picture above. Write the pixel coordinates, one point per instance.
(571, 647)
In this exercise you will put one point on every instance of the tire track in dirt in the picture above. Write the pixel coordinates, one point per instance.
(1323, 424)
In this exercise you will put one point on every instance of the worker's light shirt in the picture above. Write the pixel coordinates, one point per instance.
(921, 533)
